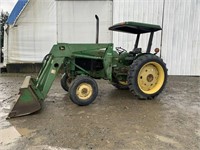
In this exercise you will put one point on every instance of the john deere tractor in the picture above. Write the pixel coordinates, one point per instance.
(143, 73)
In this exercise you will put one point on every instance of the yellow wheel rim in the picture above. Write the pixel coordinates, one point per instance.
(84, 91)
(151, 78)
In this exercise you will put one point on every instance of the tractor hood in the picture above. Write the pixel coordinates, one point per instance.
(135, 27)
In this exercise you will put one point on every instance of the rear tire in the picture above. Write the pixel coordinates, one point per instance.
(83, 90)
(147, 76)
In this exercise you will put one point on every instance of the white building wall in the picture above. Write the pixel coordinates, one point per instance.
(34, 33)
(147, 11)
(181, 36)
(181, 29)
(45, 22)
(77, 23)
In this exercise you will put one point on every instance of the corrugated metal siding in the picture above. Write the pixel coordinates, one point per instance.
(181, 30)
(76, 21)
(181, 40)
(148, 11)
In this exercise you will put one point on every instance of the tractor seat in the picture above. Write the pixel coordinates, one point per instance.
(136, 51)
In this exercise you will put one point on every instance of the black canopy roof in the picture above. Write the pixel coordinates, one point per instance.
(135, 27)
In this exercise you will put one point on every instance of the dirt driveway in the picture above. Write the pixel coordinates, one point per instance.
(116, 119)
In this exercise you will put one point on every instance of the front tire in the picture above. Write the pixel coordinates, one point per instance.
(83, 90)
(147, 76)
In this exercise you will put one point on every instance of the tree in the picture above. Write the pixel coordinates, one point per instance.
(3, 19)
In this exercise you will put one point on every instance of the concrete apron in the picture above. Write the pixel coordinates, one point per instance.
(10, 136)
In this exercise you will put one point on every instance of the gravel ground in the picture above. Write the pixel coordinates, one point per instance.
(115, 120)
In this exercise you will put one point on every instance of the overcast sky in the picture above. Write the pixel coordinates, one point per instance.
(7, 5)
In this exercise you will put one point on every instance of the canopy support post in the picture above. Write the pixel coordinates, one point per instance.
(150, 42)
(137, 41)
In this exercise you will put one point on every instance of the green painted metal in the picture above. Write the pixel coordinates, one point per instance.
(34, 91)
(27, 102)
(82, 69)
(107, 61)
(99, 61)
(135, 27)
(70, 50)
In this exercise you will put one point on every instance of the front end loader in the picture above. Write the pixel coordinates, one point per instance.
(143, 73)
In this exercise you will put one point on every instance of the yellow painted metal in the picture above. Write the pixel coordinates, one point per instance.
(84, 91)
(151, 77)
(123, 82)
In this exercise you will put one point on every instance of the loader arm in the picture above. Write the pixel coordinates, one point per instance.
(48, 74)
(34, 91)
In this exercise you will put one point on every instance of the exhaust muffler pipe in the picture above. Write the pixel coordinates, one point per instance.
(97, 29)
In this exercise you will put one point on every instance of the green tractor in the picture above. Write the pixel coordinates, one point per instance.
(143, 73)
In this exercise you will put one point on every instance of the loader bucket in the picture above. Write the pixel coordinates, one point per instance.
(28, 100)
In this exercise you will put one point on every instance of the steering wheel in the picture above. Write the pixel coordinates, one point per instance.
(120, 50)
